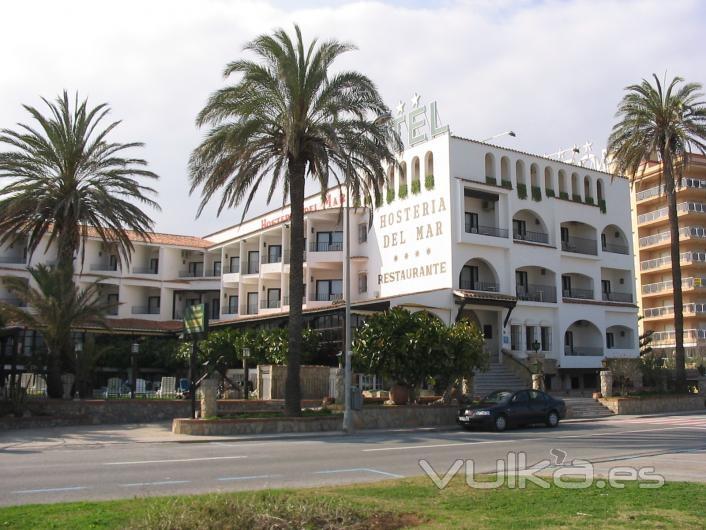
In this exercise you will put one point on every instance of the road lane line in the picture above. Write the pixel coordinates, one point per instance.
(174, 460)
(357, 470)
(614, 433)
(51, 490)
(455, 444)
(251, 477)
(159, 483)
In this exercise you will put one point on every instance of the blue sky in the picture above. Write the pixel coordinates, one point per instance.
(553, 71)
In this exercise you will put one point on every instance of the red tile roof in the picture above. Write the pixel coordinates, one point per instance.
(158, 238)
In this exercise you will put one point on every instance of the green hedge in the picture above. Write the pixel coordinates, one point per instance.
(576, 198)
(506, 184)
(403, 191)
(390, 196)
(564, 195)
(536, 193)
(522, 191)
(429, 182)
(549, 192)
(491, 181)
(416, 187)
(602, 206)
(589, 200)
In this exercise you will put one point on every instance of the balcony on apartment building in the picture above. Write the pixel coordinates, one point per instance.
(667, 311)
(107, 263)
(151, 308)
(666, 286)
(663, 213)
(613, 240)
(685, 232)
(576, 286)
(537, 293)
(537, 232)
(582, 338)
(578, 238)
(658, 191)
(616, 296)
(477, 275)
(535, 284)
(666, 261)
(665, 339)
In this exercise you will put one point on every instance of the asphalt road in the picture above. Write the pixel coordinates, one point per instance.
(675, 445)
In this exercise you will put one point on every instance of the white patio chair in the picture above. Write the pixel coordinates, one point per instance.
(140, 388)
(39, 386)
(114, 389)
(167, 389)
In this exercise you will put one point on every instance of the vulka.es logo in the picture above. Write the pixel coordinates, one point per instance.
(513, 472)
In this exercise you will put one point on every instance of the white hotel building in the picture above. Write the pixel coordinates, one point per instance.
(535, 251)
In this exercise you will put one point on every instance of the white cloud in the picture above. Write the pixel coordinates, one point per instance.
(553, 71)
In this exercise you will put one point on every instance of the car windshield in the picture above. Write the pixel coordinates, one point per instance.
(496, 397)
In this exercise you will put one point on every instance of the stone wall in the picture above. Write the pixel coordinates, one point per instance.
(314, 381)
(400, 417)
(653, 404)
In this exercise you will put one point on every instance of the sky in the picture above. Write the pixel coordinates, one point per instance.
(552, 71)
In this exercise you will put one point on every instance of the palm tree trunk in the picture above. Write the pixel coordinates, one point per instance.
(679, 360)
(292, 390)
(55, 388)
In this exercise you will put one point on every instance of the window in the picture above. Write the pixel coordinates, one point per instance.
(233, 305)
(605, 286)
(487, 331)
(153, 305)
(329, 241)
(274, 254)
(196, 269)
(529, 338)
(362, 233)
(253, 263)
(112, 262)
(566, 285)
(546, 338)
(515, 338)
(215, 310)
(469, 277)
(537, 396)
(363, 283)
(569, 341)
(154, 265)
(521, 282)
(521, 397)
(216, 268)
(252, 303)
(604, 243)
(519, 228)
(329, 290)
(235, 264)
(609, 340)
(564, 234)
(273, 297)
(471, 222)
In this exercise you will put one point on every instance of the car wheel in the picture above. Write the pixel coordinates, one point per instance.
(500, 423)
(552, 419)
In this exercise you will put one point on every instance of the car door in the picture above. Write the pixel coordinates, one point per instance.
(538, 405)
(518, 409)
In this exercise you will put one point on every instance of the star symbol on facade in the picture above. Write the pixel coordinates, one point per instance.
(415, 100)
(400, 108)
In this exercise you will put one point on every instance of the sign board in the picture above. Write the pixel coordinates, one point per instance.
(195, 319)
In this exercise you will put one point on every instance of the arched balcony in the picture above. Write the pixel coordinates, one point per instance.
(588, 190)
(490, 168)
(416, 175)
(535, 284)
(619, 338)
(549, 186)
(563, 186)
(579, 238)
(575, 187)
(505, 178)
(583, 338)
(528, 226)
(429, 170)
(478, 275)
(613, 240)
(575, 285)
(535, 190)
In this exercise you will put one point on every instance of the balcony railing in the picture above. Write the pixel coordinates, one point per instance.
(668, 337)
(615, 248)
(13, 260)
(227, 310)
(583, 294)
(270, 304)
(659, 190)
(532, 237)
(583, 351)
(190, 274)
(479, 286)
(251, 309)
(227, 269)
(492, 231)
(277, 258)
(16, 302)
(145, 270)
(682, 207)
(618, 297)
(685, 257)
(537, 293)
(668, 310)
(580, 245)
(144, 310)
(103, 267)
(285, 300)
(686, 232)
(686, 283)
(328, 297)
(326, 247)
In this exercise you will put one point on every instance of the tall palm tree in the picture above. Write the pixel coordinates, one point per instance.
(58, 306)
(670, 123)
(286, 119)
(65, 178)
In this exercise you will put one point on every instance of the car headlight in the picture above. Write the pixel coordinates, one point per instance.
(482, 413)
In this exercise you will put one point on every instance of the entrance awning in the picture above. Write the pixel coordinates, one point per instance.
(464, 297)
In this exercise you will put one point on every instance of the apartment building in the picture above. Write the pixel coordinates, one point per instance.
(653, 261)
(535, 251)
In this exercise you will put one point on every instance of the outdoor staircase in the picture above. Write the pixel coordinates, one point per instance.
(498, 377)
(584, 407)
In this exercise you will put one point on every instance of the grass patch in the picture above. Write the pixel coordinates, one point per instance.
(409, 503)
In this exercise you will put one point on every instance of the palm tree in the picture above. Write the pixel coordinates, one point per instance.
(66, 179)
(287, 119)
(57, 307)
(670, 123)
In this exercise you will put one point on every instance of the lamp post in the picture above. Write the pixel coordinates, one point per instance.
(134, 350)
(347, 414)
(78, 348)
(246, 389)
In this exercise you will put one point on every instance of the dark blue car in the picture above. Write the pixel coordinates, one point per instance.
(504, 408)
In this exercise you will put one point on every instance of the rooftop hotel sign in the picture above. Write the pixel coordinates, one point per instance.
(421, 123)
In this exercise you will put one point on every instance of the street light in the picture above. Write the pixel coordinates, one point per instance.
(134, 350)
(506, 133)
(246, 355)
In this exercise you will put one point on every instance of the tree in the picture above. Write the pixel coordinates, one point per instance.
(58, 306)
(411, 348)
(68, 181)
(288, 118)
(669, 123)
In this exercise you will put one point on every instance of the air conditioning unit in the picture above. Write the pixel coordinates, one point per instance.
(488, 206)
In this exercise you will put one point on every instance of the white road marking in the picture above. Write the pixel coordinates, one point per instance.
(174, 460)
(454, 444)
(51, 490)
(615, 433)
(358, 470)
(251, 477)
(160, 483)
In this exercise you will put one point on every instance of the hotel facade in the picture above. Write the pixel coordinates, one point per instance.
(653, 261)
(535, 251)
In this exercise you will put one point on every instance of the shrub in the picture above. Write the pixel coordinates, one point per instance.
(390, 196)
(536, 193)
(576, 198)
(416, 187)
(506, 184)
(589, 200)
(403, 191)
(602, 206)
(429, 182)
(564, 195)
(491, 181)
(522, 191)
(549, 192)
